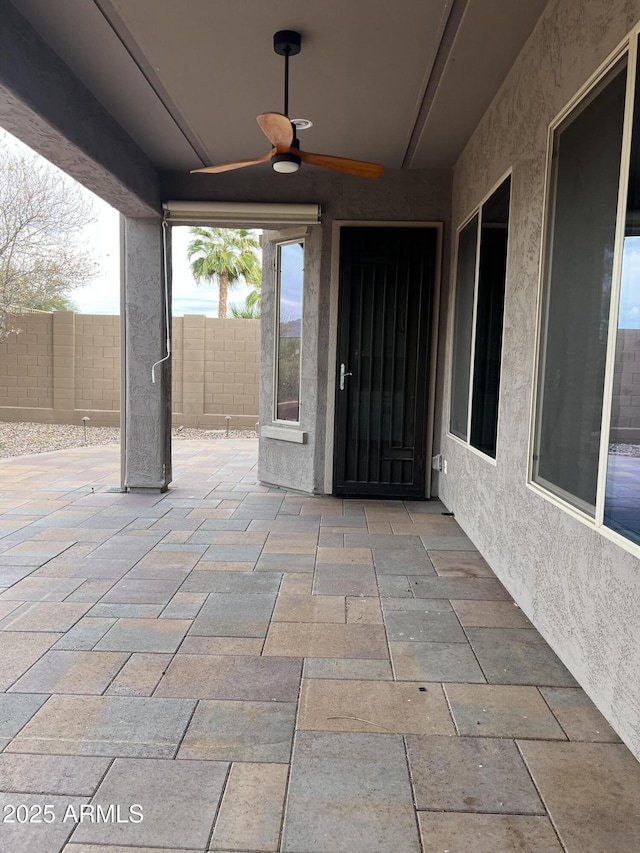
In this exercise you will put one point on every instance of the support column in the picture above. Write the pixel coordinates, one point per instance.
(147, 439)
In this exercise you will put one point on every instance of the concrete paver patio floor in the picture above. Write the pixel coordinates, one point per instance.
(249, 669)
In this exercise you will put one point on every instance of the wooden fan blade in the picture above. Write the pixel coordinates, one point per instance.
(239, 164)
(277, 128)
(341, 164)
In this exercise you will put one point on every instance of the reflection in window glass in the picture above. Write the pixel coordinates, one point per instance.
(622, 493)
(289, 330)
(586, 172)
(489, 315)
(480, 284)
(463, 323)
(622, 496)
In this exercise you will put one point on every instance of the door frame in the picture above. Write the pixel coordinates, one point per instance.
(332, 360)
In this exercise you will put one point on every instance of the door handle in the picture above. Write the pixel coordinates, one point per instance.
(342, 376)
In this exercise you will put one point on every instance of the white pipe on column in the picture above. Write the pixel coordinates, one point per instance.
(123, 359)
(167, 307)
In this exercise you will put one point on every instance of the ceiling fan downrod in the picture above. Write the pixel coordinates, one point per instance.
(285, 154)
(286, 43)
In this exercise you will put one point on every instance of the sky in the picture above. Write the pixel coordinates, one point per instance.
(102, 295)
(629, 316)
(292, 265)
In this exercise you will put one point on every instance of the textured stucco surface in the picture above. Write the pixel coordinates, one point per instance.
(284, 463)
(581, 590)
(410, 196)
(48, 108)
(422, 195)
(419, 195)
(148, 412)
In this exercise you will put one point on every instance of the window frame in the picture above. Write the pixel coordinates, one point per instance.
(455, 298)
(628, 47)
(276, 337)
(477, 211)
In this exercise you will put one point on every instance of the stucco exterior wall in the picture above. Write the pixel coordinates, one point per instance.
(581, 590)
(63, 366)
(416, 196)
(46, 106)
(281, 462)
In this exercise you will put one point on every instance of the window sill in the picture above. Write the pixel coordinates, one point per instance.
(296, 436)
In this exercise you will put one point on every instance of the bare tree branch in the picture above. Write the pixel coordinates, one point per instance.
(41, 215)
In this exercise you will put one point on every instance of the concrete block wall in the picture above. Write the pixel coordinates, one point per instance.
(625, 411)
(63, 366)
(97, 362)
(26, 364)
(232, 367)
(177, 364)
(216, 371)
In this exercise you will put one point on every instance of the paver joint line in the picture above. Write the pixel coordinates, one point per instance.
(288, 673)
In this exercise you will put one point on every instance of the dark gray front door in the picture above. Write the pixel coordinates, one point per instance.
(384, 318)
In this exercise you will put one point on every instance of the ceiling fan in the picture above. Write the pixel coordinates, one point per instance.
(286, 155)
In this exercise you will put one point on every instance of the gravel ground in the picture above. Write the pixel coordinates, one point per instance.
(17, 439)
(625, 449)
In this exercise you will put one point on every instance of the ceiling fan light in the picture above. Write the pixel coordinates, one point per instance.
(285, 164)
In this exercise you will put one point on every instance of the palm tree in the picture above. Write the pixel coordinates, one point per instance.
(254, 298)
(246, 311)
(227, 256)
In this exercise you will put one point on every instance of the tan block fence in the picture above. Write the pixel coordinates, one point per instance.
(63, 366)
(625, 411)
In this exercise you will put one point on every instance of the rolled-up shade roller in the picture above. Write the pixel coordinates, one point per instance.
(235, 214)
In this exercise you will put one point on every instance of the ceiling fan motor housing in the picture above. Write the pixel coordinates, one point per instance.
(286, 42)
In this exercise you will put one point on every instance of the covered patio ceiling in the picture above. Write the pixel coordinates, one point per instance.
(403, 83)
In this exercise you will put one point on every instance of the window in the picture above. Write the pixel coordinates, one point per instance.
(463, 325)
(586, 448)
(290, 267)
(479, 308)
(621, 510)
(576, 300)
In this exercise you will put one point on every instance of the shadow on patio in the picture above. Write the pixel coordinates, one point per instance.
(218, 657)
